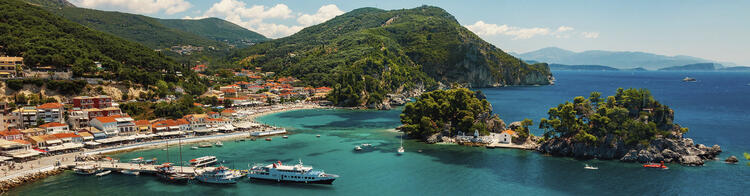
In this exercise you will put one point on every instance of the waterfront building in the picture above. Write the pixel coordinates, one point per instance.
(50, 112)
(86, 102)
(44, 141)
(11, 134)
(69, 137)
(228, 113)
(114, 125)
(54, 127)
(143, 126)
(507, 136)
(33, 131)
(9, 66)
(25, 117)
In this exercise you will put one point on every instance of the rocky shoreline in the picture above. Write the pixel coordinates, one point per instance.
(9, 184)
(671, 149)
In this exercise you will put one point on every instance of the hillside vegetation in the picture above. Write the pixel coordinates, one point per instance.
(216, 29)
(45, 39)
(367, 53)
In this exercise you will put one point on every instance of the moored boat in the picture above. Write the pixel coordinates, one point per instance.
(205, 145)
(658, 166)
(104, 173)
(203, 161)
(291, 173)
(85, 169)
(130, 172)
(268, 139)
(219, 175)
(219, 144)
(166, 173)
(357, 148)
(285, 137)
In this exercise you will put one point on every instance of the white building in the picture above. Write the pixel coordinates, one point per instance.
(507, 136)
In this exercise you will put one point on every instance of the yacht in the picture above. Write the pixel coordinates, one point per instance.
(219, 175)
(290, 173)
(85, 169)
(167, 173)
(203, 161)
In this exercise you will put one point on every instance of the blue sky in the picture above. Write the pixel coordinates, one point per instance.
(716, 30)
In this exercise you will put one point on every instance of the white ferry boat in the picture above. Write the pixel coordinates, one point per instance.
(290, 173)
(269, 132)
(203, 161)
(219, 175)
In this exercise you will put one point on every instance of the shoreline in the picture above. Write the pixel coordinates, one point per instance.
(45, 166)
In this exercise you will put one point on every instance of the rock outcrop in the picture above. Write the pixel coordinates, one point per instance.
(732, 159)
(669, 149)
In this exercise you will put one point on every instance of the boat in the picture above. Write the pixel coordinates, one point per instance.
(658, 166)
(203, 161)
(273, 131)
(401, 148)
(138, 160)
(366, 145)
(319, 135)
(205, 145)
(587, 166)
(290, 173)
(285, 137)
(268, 139)
(219, 144)
(166, 173)
(104, 173)
(130, 172)
(194, 147)
(689, 79)
(252, 139)
(357, 148)
(85, 169)
(219, 175)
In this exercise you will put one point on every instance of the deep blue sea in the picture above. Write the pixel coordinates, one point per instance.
(715, 109)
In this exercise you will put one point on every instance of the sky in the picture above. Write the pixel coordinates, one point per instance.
(715, 30)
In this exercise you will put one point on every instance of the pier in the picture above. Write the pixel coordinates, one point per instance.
(142, 168)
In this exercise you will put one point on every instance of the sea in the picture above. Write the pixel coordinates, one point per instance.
(716, 108)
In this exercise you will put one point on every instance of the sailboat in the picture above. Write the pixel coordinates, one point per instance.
(401, 148)
(167, 173)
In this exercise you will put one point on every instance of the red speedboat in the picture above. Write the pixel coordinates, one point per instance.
(660, 165)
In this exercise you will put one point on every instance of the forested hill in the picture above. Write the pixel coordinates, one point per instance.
(369, 52)
(46, 39)
(216, 29)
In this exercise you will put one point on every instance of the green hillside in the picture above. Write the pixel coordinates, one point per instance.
(368, 52)
(216, 29)
(46, 39)
(138, 28)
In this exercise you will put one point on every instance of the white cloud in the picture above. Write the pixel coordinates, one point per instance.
(254, 17)
(564, 28)
(137, 6)
(482, 28)
(325, 13)
(486, 29)
(590, 35)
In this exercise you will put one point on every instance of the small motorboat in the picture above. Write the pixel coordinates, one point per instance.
(219, 144)
(138, 160)
(194, 147)
(587, 166)
(252, 139)
(357, 148)
(319, 135)
(205, 145)
(130, 172)
(420, 150)
(268, 139)
(104, 173)
(689, 79)
(658, 166)
(285, 137)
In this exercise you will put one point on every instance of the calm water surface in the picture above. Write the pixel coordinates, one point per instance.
(714, 108)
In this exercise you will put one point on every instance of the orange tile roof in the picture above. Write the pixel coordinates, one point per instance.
(509, 132)
(106, 119)
(52, 124)
(50, 106)
(228, 111)
(230, 90)
(21, 141)
(242, 82)
(141, 122)
(10, 132)
(65, 135)
(198, 104)
(182, 121)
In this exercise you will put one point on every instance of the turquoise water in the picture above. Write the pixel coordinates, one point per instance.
(715, 110)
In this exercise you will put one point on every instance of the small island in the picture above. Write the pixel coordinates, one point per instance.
(630, 126)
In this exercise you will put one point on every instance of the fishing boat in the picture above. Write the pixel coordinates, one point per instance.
(587, 166)
(658, 166)
(357, 148)
(130, 172)
(205, 145)
(401, 150)
(290, 173)
(689, 79)
(167, 173)
(219, 144)
(85, 169)
(104, 173)
(203, 161)
(219, 175)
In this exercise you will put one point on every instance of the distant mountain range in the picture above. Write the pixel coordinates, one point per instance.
(153, 32)
(619, 60)
(689, 67)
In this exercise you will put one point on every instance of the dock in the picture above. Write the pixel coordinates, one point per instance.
(142, 168)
